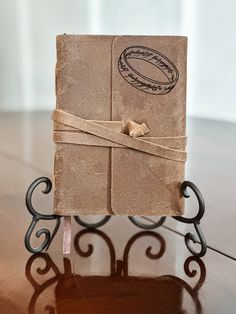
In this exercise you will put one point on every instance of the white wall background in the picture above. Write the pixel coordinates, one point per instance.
(29, 27)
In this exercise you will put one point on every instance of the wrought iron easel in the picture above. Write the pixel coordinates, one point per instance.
(36, 217)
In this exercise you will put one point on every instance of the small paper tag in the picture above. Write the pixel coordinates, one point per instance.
(67, 235)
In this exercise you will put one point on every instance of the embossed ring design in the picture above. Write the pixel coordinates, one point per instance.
(139, 80)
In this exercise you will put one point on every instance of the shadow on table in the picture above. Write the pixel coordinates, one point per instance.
(117, 292)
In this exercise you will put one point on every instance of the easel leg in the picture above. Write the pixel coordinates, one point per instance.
(36, 217)
(194, 220)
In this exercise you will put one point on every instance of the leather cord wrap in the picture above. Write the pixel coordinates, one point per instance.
(111, 138)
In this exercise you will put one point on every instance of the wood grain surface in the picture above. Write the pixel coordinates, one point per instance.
(118, 268)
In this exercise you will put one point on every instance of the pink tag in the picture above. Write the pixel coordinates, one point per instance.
(67, 235)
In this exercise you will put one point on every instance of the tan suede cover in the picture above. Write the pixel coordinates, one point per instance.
(114, 78)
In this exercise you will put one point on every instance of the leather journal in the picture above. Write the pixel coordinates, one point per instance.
(119, 125)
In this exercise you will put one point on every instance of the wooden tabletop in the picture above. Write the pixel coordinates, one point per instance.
(117, 268)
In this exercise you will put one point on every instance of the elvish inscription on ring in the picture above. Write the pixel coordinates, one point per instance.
(141, 81)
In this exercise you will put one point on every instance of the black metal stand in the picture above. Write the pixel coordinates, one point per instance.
(36, 217)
